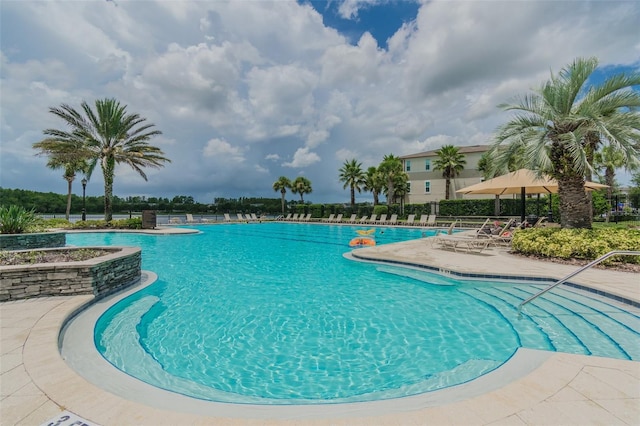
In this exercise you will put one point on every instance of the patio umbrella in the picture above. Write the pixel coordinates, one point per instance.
(523, 182)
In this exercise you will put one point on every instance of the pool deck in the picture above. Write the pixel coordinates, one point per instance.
(36, 385)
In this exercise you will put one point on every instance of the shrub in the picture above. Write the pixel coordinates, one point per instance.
(133, 223)
(16, 219)
(588, 244)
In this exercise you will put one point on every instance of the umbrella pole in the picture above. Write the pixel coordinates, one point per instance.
(523, 193)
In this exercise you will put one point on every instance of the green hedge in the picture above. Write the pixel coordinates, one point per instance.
(133, 223)
(587, 244)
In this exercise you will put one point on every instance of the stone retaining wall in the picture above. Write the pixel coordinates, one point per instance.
(31, 241)
(98, 276)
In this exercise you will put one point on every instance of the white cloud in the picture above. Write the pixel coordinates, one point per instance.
(302, 158)
(223, 151)
(237, 87)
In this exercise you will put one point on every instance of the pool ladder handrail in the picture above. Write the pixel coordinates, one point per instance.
(583, 268)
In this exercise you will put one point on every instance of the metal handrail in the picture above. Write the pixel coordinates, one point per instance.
(585, 267)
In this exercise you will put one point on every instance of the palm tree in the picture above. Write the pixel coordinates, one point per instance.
(108, 136)
(281, 185)
(559, 124)
(451, 162)
(609, 160)
(374, 183)
(391, 170)
(71, 166)
(352, 175)
(301, 185)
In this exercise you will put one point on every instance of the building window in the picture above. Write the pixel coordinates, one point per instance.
(427, 165)
(408, 187)
(427, 187)
(407, 166)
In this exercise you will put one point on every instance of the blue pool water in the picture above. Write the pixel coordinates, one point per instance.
(273, 313)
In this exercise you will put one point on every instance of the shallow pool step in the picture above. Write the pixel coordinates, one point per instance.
(419, 275)
(573, 323)
(554, 331)
(620, 326)
(529, 335)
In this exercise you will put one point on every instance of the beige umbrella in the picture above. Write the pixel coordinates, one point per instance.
(523, 181)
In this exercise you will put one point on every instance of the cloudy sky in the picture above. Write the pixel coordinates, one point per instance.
(247, 91)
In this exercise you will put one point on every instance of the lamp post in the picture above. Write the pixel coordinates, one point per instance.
(84, 189)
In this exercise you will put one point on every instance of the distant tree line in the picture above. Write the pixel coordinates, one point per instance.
(49, 202)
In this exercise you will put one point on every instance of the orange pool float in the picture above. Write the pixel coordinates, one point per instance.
(362, 241)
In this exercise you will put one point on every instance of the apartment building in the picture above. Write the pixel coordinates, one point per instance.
(427, 185)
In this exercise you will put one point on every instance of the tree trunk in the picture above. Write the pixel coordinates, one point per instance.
(390, 192)
(282, 200)
(575, 208)
(108, 170)
(353, 197)
(446, 189)
(69, 181)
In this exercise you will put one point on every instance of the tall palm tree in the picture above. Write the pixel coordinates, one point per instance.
(106, 136)
(558, 124)
(374, 183)
(301, 185)
(71, 165)
(391, 170)
(281, 185)
(451, 162)
(352, 175)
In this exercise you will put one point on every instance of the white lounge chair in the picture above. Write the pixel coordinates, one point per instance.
(338, 218)
(227, 218)
(240, 217)
(372, 219)
(330, 218)
(383, 219)
(353, 218)
(190, 219)
(288, 217)
(410, 219)
(393, 220)
(294, 217)
(363, 219)
(307, 218)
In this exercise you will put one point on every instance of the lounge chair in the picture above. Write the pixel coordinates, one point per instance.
(189, 217)
(383, 219)
(462, 242)
(294, 218)
(227, 218)
(393, 220)
(254, 217)
(240, 217)
(288, 217)
(353, 218)
(307, 218)
(426, 218)
(410, 219)
(330, 219)
(372, 219)
(504, 236)
(338, 218)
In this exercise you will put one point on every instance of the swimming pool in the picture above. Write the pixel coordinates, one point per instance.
(272, 313)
